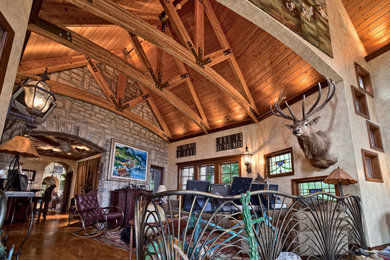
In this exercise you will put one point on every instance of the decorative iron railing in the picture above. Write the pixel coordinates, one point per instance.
(257, 225)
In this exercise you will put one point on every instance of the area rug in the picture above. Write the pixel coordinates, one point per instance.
(113, 238)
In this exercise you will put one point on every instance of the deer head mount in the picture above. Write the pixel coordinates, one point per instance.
(316, 145)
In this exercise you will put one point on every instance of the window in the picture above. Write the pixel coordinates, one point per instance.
(360, 102)
(216, 170)
(371, 165)
(374, 135)
(306, 186)
(279, 163)
(363, 79)
(207, 173)
(186, 173)
(229, 171)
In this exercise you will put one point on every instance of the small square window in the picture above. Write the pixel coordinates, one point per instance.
(363, 79)
(374, 136)
(360, 102)
(279, 163)
(371, 166)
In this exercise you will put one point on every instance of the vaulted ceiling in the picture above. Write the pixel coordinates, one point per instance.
(234, 79)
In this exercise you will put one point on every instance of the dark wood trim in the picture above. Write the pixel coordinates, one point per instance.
(378, 52)
(162, 172)
(355, 97)
(378, 136)
(379, 247)
(217, 162)
(366, 75)
(366, 153)
(295, 182)
(6, 51)
(283, 151)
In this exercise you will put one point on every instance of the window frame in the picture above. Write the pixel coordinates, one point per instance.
(217, 162)
(295, 184)
(359, 96)
(377, 173)
(371, 127)
(276, 153)
(365, 75)
(5, 52)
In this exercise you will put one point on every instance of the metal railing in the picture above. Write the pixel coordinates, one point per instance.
(257, 225)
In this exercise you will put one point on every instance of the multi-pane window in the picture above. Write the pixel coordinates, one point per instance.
(306, 188)
(186, 173)
(279, 163)
(207, 173)
(229, 171)
(216, 170)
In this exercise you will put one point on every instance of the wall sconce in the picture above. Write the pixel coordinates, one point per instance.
(33, 101)
(247, 160)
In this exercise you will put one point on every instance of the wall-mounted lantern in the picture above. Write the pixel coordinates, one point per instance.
(247, 160)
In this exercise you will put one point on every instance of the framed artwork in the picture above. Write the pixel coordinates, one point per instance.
(6, 39)
(128, 163)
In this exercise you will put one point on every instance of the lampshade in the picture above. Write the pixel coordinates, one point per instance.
(339, 176)
(161, 188)
(21, 145)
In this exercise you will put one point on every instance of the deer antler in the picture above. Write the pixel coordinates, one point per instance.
(314, 109)
(279, 111)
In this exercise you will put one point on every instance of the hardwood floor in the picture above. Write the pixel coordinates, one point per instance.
(52, 240)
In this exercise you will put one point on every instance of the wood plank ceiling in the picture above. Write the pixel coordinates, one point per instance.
(371, 20)
(248, 66)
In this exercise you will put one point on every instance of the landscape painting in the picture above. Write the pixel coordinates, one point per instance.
(128, 163)
(307, 18)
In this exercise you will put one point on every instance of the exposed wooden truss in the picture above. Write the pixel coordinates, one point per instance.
(82, 45)
(79, 94)
(225, 45)
(130, 22)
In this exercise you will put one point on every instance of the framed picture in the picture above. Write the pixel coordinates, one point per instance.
(128, 163)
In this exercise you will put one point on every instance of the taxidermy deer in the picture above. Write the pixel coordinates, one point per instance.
(316, 145)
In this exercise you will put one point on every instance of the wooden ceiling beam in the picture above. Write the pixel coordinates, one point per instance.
(215, 24)
(183, 71)
(218, 56)
(86, 47)
(34, 67)
(199, 24)
(121, 86)
(72, 92)
(97, 75)
(177, 81)
(138, 100)
(130, 22)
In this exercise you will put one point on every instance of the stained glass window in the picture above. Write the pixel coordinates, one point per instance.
(279, 163)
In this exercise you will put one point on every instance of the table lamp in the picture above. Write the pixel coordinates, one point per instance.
(340, 177)
(18, 146)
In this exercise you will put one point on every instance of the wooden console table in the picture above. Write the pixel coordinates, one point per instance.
(125, 200)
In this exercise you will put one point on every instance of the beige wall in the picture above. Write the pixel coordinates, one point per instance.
(348, 129)
(17, 15)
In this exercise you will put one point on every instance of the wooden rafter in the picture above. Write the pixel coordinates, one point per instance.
(218, 56)
(177, 80)
(97, 75)
(79, 94)
(199, 24)
(225, 45)
(138, 100)
(183, 71)
(145, 61)
(121, 86)
(129, 22)
(82, 45)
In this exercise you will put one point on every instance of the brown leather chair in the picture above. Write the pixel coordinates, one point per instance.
(43, 202)
(93, 218)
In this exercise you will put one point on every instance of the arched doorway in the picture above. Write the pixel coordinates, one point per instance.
(56, 173)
